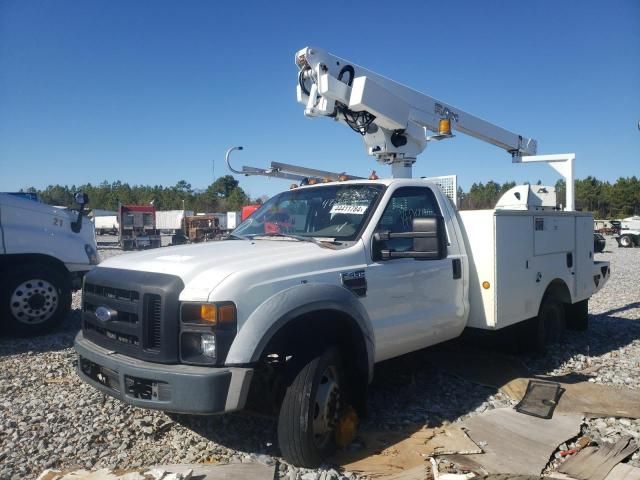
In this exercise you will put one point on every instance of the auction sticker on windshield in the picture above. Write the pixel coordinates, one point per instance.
(353, 209)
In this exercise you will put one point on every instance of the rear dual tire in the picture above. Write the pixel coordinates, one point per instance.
(545, 329)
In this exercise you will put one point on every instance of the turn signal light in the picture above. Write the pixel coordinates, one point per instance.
(208, 313)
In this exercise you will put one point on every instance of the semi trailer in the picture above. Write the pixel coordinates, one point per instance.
(137, 227)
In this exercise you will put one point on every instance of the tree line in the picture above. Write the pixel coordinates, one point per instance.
(222, 195)
(604, 199)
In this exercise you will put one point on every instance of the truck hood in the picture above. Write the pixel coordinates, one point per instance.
(214, 261)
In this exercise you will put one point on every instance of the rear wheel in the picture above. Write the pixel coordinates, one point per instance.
(626, 241)
(578, 316)
(546, 328)
(34, 299)
(310, 411)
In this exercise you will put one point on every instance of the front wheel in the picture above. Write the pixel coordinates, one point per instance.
(310, 411)
(34, 299)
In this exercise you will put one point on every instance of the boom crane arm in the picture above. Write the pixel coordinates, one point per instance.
(392, 118)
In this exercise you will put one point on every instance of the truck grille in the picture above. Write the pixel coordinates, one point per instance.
(144, 308)
(108, 292)
(153, 316)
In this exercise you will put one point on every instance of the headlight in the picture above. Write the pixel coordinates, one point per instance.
(208, 345)
(206, 332)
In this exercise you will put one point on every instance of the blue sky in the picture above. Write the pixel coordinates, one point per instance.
(151, 92)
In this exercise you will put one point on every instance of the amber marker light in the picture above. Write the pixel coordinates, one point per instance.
(486, 285)
(444, 126)
(226, 314)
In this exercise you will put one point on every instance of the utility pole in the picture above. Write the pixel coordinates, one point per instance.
(213, 169)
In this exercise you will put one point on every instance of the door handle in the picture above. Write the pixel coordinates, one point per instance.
(457, 268)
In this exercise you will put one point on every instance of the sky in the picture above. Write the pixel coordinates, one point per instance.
(155, 91)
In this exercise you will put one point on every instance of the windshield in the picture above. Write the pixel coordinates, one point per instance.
(335, 211)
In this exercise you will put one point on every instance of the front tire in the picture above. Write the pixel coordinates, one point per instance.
(310, 411)
(34, 299)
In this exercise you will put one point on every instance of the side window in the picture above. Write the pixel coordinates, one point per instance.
(406, 204)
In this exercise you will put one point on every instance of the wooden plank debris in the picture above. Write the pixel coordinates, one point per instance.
(595, 463)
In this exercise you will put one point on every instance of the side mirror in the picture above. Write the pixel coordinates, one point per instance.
(429, 240)
(433, 241)
(81, 198)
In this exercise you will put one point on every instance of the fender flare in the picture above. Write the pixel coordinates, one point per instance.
(278, 310)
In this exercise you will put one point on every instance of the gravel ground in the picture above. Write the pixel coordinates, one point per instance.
(49, 419)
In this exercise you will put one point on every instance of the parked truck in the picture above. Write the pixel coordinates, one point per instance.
(628, 235)
(44, 253)
(137, 224)
(292, 312)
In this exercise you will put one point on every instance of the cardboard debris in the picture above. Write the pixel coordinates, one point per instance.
(240, 471)
(595, 463)
(516, 443)
(588, 398)
(510, 376)
(624, 471)
(390, 453)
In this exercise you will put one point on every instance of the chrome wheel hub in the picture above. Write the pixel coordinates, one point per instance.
(34, 301)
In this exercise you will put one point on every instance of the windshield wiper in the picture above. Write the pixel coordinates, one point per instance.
(300, 238)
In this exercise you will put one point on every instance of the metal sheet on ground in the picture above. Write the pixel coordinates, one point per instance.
(517, 443)
(391, 453)
(595, 463)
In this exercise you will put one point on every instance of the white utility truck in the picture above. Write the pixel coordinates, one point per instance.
(629, 235)
(295, 308)
(44, 253)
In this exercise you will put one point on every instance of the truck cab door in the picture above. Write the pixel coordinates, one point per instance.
(412, 303)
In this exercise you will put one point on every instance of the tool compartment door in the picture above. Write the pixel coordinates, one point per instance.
(584, 258)
(515, 278)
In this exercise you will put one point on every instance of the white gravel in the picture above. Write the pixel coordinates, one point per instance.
(50, 419)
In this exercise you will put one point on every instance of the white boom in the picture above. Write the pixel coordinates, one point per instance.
(392, 118)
